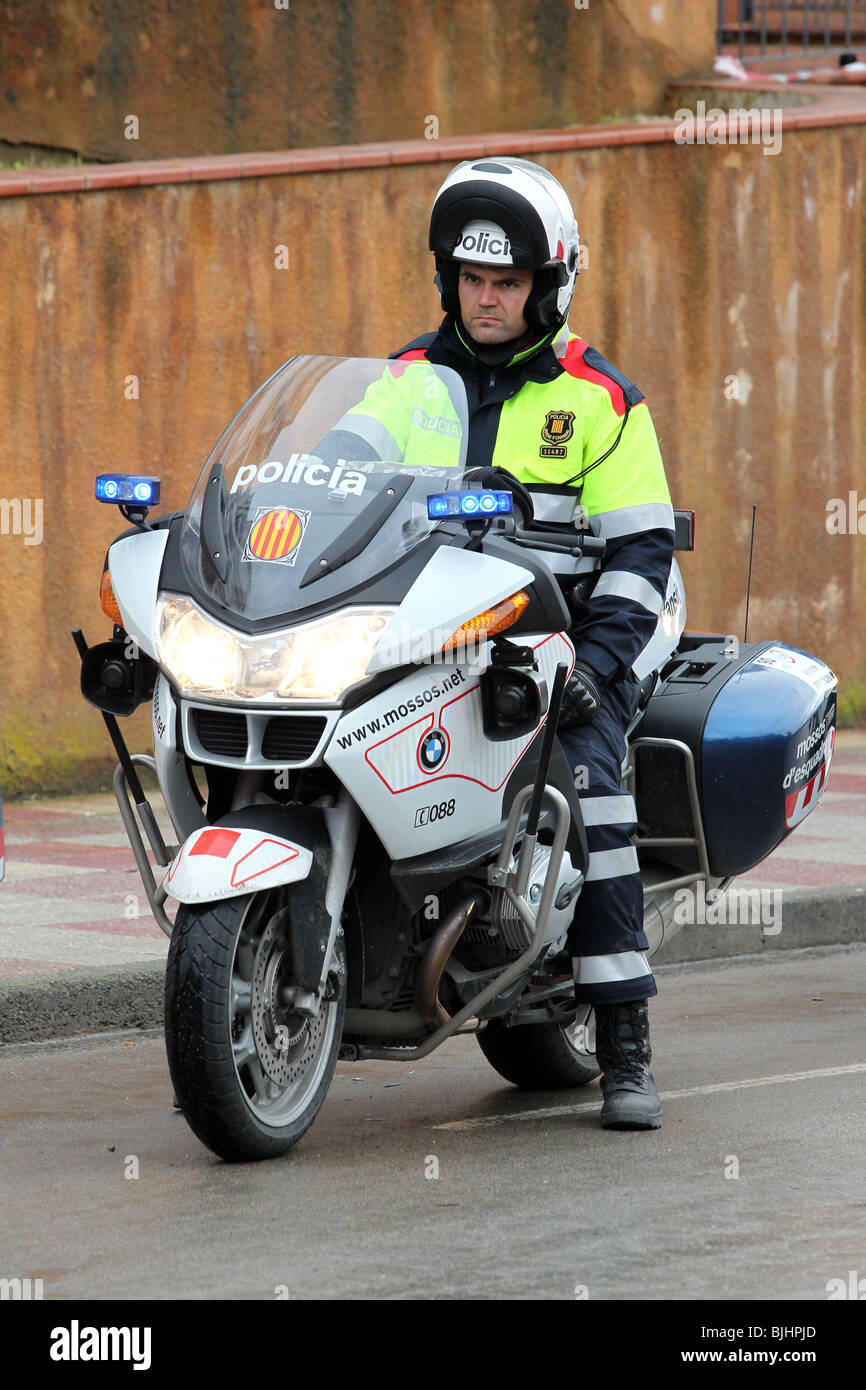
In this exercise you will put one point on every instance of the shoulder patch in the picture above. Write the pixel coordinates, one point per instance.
(586, 362)
(417, 348)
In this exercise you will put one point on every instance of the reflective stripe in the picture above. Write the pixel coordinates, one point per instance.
(561, 341)
(599, 970)
(553, 508)
(608, 810)
(628, 521)
(624, 584)
(374, 433)
(612, 863)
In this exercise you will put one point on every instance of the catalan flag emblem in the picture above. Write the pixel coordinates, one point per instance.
(558, 427)
(276, 534)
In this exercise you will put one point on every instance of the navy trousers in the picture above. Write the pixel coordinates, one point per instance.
(606, 939)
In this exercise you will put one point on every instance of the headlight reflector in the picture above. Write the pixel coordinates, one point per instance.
(319, 660)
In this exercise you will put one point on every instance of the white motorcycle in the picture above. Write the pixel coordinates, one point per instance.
(356, 662)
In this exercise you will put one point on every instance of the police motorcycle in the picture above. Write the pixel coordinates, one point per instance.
(356, 657)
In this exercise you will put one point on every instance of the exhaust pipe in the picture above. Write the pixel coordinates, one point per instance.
(428, 1012)
(659, 908)
(429, 972)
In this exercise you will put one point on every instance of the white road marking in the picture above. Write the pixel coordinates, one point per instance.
(22, 870)
(550, 1112)
(66, 946)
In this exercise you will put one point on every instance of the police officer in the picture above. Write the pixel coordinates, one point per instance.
(573, 429)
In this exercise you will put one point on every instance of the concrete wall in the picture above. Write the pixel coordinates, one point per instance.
(728, 284)
(219, 76)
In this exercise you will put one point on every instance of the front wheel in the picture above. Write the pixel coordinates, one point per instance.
(543, 1056)
(250, 1074)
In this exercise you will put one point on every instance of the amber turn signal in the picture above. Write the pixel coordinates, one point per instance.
(488, 623)
(107, 599)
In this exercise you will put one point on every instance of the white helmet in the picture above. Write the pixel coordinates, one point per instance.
(507, 212)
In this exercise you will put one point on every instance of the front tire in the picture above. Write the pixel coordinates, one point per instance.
(250, 1074)
(543, 1056)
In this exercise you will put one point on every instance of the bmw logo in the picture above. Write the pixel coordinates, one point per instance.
(433, 750)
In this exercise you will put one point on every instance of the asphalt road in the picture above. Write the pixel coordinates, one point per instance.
(762, 1067)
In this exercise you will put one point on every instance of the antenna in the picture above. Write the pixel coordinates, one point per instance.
(749, 580)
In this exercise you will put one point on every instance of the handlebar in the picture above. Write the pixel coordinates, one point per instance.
(594, 545)
(571, 542)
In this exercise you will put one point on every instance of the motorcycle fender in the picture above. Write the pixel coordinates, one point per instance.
(221, 861)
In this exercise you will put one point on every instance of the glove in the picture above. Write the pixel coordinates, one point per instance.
(581, 698)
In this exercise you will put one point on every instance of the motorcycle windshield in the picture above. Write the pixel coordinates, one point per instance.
(320, 482)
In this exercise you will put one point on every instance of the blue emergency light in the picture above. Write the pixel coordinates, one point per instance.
(471, 504)
(127, 489)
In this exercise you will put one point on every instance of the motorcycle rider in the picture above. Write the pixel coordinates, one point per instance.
(550, 410)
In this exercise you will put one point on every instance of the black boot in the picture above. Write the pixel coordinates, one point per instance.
(622, 1049)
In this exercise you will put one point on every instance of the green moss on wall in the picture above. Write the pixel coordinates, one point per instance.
(40, 755)
(852, 704)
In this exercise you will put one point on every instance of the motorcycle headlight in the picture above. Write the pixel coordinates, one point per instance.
(314, 661)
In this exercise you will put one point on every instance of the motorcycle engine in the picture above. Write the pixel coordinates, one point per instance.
(504, 927)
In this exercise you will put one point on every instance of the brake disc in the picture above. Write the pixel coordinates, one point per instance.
(281, 1036)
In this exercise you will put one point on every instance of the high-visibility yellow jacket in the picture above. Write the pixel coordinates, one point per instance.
(571, 427)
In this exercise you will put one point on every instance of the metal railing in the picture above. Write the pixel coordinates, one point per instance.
(782, 24)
